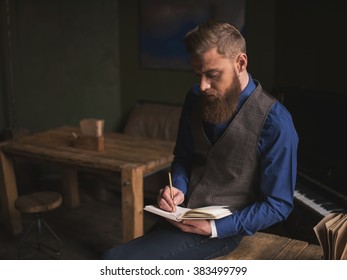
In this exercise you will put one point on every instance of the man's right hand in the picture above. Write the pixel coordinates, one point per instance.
(165, 201)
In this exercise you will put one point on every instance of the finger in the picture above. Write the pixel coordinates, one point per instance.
(197, 226)
(166, 193)
(178, 197)
(163, 195)
(186, 228)
(189, 228)
(164, 201)
(167, 196)
(160, 195)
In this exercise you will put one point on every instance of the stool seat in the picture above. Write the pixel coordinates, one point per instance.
(38, 202)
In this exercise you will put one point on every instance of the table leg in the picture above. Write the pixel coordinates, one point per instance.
(132, 202)
(71, 196)
(8, 195)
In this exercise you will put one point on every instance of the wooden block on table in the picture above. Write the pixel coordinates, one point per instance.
(91, 136)
(92, 127)
(90, 143)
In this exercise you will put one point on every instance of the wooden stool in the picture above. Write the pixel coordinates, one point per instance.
(39, 203)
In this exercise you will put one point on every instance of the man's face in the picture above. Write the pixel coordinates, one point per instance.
(219, 84)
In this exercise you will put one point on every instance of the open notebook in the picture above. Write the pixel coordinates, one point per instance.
(181, 213)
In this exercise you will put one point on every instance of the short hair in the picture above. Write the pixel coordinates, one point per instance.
(212, 33)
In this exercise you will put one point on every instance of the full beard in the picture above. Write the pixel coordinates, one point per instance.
(221, 108)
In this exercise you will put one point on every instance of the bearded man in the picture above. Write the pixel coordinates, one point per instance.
(236, 146)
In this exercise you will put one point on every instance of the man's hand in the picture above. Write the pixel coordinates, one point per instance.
(202, 227)
(165, 201)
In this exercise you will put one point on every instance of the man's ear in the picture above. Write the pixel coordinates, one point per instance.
(241, 62)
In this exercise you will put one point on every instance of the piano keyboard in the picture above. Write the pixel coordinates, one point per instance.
(309, 196)
(311, 204)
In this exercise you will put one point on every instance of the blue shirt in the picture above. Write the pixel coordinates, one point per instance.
(277, 148)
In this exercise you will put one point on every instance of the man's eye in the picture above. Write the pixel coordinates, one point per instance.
(214, 76)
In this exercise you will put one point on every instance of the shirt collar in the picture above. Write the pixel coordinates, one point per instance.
(247, 91)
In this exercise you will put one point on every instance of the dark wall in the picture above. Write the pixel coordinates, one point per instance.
(136, 82)
(260, 37)
(65, 64)
(78, 59)
(2, 90)
(311, 50)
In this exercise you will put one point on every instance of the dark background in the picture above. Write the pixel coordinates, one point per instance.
(67, 60)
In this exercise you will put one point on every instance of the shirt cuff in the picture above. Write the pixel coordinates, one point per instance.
(213, 229)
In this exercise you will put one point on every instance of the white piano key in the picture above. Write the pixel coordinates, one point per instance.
(316, 207)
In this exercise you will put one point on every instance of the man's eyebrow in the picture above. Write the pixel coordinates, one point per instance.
(212, 70)
(208, 71)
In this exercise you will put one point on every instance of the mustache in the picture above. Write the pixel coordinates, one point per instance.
(209, 92)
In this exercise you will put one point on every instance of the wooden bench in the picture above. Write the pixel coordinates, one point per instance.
(265, 246)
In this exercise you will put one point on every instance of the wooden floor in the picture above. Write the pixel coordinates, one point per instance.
(85, 232)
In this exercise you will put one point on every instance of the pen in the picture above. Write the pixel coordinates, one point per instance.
(171, 192)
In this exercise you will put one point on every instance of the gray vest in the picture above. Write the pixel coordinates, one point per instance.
(227, 173)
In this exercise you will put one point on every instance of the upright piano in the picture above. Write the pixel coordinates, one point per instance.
(320, 119)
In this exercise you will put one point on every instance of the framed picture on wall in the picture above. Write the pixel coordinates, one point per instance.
(163, 25)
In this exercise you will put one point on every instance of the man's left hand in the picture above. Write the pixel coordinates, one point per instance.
(202, 227)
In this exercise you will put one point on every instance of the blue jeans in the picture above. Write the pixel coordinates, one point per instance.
(166, 242)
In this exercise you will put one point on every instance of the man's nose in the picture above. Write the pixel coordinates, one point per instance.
(204, 84)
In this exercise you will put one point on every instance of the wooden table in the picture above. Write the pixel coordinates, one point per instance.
(131, 157)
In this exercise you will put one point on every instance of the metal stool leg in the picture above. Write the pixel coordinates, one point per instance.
(55, 236)
(40, 225)
(21, 241)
